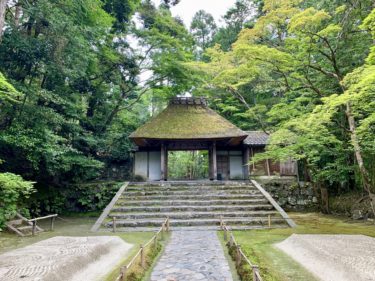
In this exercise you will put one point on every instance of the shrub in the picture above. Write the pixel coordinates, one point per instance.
(13, 190)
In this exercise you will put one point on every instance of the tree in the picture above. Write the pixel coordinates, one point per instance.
(242, 15)
(281, 71)
(203, 28)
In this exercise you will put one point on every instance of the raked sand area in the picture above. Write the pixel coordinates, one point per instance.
(64, 258)
(333, 257)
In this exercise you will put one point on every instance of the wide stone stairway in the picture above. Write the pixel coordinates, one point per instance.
(193, 205)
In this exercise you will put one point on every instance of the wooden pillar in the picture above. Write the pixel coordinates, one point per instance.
(268, 167)
(246, 158)
(166, 164)
(214, 161)
(210, 170)
(163, 166)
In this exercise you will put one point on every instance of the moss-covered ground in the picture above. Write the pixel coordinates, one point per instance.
(274, 264)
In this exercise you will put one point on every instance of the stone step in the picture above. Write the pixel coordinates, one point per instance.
(187, 192)
(195, 222)
(179, 188)
(188, 208)
(190, 215)
(194, 196)
(202, 202)
(195, 228)
(192, 183)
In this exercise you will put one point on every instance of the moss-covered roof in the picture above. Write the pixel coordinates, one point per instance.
(188, 121)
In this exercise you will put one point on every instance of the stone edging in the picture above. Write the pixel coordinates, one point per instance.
(107, 209)
(274, 204)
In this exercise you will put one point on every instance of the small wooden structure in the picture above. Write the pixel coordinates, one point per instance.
(189, 124)
(256, 142)
(24, 227)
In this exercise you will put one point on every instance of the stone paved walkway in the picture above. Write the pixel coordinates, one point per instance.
(192, 256)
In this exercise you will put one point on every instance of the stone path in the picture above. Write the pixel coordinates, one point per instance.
(192, 256)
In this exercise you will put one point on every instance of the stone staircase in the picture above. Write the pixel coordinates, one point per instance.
(144, 206)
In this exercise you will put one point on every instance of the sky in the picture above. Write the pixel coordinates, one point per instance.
(187, 8)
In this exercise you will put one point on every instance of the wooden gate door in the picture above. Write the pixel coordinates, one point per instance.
(223, 166)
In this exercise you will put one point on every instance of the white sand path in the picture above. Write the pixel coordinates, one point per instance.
(64, 258)
(333, 257)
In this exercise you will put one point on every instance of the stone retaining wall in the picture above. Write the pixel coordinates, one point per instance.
(288, 193)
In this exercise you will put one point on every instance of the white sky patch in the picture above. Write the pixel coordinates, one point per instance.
(187, 8)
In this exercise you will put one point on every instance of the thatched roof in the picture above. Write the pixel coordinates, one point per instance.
(256, 138)
(188, 119)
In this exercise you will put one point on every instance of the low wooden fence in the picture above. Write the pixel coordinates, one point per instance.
(239, 255)
(33, 221)
(140, 257)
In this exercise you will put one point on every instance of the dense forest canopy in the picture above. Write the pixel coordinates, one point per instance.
(77, 77)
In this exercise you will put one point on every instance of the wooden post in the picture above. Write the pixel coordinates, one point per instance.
(162, 161)
(162, 231)
(238, 257)
(210, 165)
(143, 264)
(269, 221)
(246, 159)
(34, 228)
(155, 241)
(255, 271)
(52, 223)
(221, 222)
(167, 226)
(231, 241)
(123, 273)
(214, 160)
(225, 235)
(114, 224)
(268, 167)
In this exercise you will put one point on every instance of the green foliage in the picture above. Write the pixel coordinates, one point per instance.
(72, 93)
(292, 73)
(88, 197)
(188, 165)
(13, 192)
(203, 28)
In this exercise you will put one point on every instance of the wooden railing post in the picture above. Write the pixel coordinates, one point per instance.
(239, 257)
(231, 241)
(155, 241)
(162, 231)
(221, 223)
(225, 234)
(167, 226)
(123, 273)
(114, 224)
(143, 265)
(34, 228)
(269, 221)
(52, 223)
(255, 271)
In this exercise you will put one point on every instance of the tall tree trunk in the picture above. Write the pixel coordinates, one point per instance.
(358, 155)
(3, 5)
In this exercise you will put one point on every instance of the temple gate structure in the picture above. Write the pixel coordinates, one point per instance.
(189, 124)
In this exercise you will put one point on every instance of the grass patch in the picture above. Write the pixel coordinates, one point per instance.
(275, 265)
(231, 263)
(152, 253)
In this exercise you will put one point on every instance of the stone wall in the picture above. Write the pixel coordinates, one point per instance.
(290, 195)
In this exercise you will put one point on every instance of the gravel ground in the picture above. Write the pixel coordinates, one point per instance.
(333, 257)
(64, 258)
